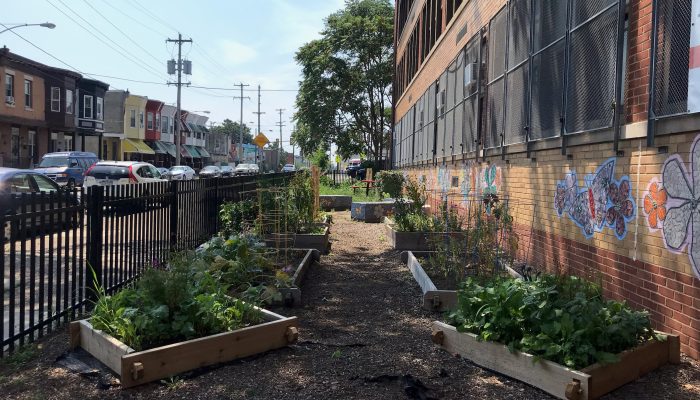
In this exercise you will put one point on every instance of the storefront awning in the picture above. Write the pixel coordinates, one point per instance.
(193, 151)
(184, 152)
(170, 148)
(203, 152)
(136, 146)
(156, 146)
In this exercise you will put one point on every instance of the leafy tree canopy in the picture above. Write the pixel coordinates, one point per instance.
(345, 92)
(233, 130)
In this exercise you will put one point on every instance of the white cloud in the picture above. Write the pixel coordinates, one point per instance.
(235, 53)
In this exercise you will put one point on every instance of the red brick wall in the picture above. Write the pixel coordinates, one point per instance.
(638, 60)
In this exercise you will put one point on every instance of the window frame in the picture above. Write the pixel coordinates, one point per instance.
(99, 115)
(88, 104)
(132, 118)
(28, 93)
(9, 85)
(69, 101)
(55, 99)
(141, 120)
(150, 121)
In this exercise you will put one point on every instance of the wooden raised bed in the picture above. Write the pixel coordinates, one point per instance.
(291, 296)
(589, 383)
(300, 240)
(434, 298)
(138, 367)
(335, 202)
(418, 241)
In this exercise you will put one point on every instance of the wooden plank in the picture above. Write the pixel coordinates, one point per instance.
(299, 275)
(440, 300)
(426, 284)
(102, 346)
(309, 241)
(546, 375)
(632, 365)
(166, 361)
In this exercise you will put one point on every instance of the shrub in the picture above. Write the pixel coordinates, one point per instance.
(391, 183)
(237, 217)
(561, 319)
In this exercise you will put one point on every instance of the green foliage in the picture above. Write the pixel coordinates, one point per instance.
(170, 305)
(233, 130)
(391, 183)
(345, 189)
(561, 319)
(345, 92)
(237, 217)
(320, 158)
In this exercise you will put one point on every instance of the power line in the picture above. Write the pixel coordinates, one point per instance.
(123, 33)
(107, 2)
(154, 16)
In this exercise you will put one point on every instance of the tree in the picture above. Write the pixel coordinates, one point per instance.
(345, 92)
(232, 129)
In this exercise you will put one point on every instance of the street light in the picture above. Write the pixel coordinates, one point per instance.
(44, 24)
(205, 112)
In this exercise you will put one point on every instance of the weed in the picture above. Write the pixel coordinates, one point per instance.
(337, 354)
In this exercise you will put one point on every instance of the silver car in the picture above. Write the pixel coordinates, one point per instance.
(180, 173)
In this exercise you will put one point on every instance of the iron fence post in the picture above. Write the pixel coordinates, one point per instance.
(95, 200)
(174, 211)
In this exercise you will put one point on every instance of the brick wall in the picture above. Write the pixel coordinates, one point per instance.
(638, 60)
(637, 267)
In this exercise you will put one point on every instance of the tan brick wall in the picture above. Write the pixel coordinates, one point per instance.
(639, 268)
(639, 60)
(36, 112)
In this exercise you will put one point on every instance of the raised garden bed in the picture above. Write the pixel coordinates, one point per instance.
(330, 202)
(418, 241)
(372, 211)
(434, 298)
(316, 241)
(291, 296)
(139, 367)
(591, 382)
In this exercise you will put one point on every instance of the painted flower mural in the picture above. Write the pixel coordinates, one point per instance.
(602, 201)
(682, 192)
(655, 205)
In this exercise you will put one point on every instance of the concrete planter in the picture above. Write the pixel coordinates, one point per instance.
(418, 241)
(434, 298)
(373, 211)
(335, 202)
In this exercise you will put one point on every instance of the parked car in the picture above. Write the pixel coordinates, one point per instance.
(354, 166)
(105, 173)
(66, 168)
(15, 182)
(163, 171)
(180, 173)
(241, 169)
(226, 170)
(253, 169)
(210, 171)
(289, 168)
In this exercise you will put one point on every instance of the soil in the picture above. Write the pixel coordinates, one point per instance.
(363, 335)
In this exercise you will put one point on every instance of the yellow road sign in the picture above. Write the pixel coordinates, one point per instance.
(261, 140)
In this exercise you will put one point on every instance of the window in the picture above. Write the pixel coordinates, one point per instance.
(69, 102)
(20, 183)
(141, 119)
(164, 126)
(56, 99)
(31, 142)
(44, 184)
(87, 107)
(9, 88)
(100, 107)
(132, 119)
(157, 122)
(27, 93)
(149, 121)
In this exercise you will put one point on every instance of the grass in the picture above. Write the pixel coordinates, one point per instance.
(345, 189)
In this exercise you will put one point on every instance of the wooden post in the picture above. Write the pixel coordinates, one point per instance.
(315, 182)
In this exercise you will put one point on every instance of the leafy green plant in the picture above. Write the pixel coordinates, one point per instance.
(182, 302)
(391, 182)
(561, 319)
(237, 217)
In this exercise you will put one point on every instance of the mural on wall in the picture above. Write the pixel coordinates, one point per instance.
(468, 181)
(673, 205)
(602, 202)
(443, 179)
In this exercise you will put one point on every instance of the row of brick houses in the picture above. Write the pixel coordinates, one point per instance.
(45, 109)
(576, 113)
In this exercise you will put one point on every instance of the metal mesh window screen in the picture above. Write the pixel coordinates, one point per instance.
(518, 32)
(430, 135)
(409, 135)
(516, 104)
(547, 91)
(672, 57)
(470, 118)
(449, 106)
(497, 44)
(583, 10)
(440, 117)
(591, 84)
(459, 108)
(550, 22)
(492, 137)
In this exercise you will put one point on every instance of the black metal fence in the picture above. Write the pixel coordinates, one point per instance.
(57, 244)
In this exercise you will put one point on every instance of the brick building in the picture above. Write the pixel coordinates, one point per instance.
(577, 114)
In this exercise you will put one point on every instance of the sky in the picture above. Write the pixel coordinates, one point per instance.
(235, 41)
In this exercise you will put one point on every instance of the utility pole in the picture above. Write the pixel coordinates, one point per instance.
(280, 124)
(240, 143)
(178, 67)
(259, 113)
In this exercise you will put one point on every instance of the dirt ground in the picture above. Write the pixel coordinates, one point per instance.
(362, 333)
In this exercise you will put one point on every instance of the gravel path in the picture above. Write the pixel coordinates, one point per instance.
(362, 333)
